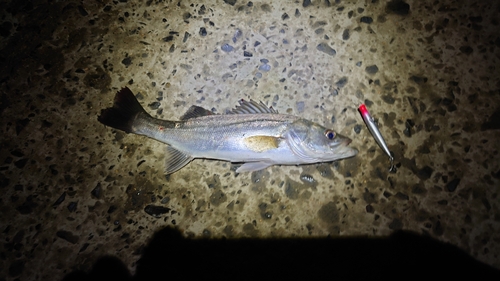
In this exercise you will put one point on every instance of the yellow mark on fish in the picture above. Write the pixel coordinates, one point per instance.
(261, 143)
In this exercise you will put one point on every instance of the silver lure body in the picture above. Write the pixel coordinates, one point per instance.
(252, 133)
(373, 128)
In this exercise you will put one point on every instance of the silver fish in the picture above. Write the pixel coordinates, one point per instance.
(251, 133)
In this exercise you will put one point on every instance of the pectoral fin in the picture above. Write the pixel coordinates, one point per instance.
(253, 166)
(261, 143)
(175, 159)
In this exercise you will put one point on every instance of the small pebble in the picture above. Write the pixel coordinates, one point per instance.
(230, 2)
(407, 132)
(370, 209)
(154, 105)
(300, 106)
(237, 35)
(388, 99)
(265, 67)
(60, 199)
(398, 7)
(367, 20)
(186, 36)
(156, 211)
(452, 185)
(346, 35)
(372, 69)
(168, 38)
(342, 82)
(203, 31)
(323, 47)
(127, 61)
(72, 206)
(307, 178)
(227, 48)
(96, 192)
(409, 124)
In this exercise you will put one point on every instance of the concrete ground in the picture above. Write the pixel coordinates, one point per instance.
(74, 190)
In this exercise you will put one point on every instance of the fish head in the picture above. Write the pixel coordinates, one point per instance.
(315, 143)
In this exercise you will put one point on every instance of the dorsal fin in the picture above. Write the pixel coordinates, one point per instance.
(252, 107)
(195, 111)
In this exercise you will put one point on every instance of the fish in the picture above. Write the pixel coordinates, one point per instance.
(251, 133)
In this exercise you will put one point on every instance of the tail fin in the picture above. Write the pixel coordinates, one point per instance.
(122, 115)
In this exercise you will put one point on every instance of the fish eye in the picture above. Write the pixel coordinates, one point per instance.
(330, 134)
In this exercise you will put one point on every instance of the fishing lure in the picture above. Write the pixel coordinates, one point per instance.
(372, 127)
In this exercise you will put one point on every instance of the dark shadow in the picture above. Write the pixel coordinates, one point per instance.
(106, 268)
(169, 256)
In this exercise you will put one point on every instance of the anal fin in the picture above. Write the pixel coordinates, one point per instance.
(253, 166)
(175, 159)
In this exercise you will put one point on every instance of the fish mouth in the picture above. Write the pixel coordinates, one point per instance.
(341, 148)
(346, 150)
(344, 142)
(340, 153)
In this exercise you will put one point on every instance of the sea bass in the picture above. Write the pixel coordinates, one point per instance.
(251, 133)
